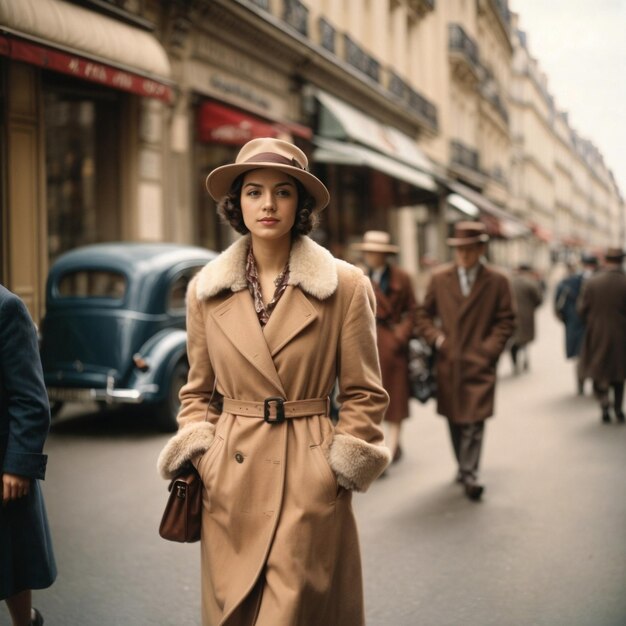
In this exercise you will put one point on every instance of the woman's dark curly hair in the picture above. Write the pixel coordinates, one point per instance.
(229, 209)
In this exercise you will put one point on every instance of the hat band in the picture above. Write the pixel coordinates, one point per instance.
(272, 157)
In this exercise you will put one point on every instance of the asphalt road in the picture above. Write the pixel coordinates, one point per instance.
(546, 546)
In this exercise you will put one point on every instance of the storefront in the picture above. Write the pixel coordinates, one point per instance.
(82, 98)
(378, 179)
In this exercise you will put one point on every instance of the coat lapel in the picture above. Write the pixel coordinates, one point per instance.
(479, 284)
(454, 286)
(237, 319)
(292, 315)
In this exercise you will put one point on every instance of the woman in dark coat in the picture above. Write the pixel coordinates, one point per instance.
(395, 325)
(27, 559)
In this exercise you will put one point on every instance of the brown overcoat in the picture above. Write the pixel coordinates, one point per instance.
(395, 325)
(279, 541)
(476, 329)
(527, 296)
(602, 306)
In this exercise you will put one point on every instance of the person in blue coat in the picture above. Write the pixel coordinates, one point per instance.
(26, 555)
(565, 299)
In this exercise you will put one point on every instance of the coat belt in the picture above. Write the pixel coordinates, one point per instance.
(292, 408)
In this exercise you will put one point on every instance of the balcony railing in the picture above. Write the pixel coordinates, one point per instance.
(460, 41)
(504, 11)
(413, 99)
(327, 35)
(461, 155)
(296, 15)
(263, 4)
(358, 58)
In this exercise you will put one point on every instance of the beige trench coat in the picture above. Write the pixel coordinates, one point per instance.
(279, 540)
(476, 329)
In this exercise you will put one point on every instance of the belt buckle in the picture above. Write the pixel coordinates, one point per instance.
(280, 410)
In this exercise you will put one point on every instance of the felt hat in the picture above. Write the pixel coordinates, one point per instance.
(467, 233)
(376, 241)
(267, 152)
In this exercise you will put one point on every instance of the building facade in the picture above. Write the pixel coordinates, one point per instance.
(416, 114)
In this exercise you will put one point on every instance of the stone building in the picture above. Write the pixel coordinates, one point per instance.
(416, 113)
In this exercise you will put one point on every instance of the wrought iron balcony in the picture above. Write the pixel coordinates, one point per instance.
(418, 103)
(327, 35)
(504, 11)
(296, 15)
(460, 41)
(263, 4)
(358, 58)
(461, 155)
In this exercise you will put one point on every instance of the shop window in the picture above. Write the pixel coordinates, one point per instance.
(82, 166)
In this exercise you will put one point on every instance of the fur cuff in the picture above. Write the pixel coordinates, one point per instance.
(187, 443)
(357, 463)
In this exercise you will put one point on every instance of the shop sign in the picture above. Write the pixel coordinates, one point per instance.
(83, 68)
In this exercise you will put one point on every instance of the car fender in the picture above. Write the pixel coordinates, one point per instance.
(161, 353)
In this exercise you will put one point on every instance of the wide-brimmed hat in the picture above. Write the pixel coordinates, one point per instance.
(467, 233)
(376, 241)
(614, 254)
(267, 152)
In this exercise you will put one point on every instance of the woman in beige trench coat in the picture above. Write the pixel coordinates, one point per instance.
(272, 323)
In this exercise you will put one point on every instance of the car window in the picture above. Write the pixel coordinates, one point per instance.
(93, 284)
(178, 290)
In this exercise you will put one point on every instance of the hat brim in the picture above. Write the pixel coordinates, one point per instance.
(220, 180)
(467, 241)
(387, 248)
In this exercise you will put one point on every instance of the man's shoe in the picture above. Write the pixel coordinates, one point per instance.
(473, 490)
(606, 416)
(36, 618)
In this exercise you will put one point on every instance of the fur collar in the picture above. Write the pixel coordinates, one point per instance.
(311, 267)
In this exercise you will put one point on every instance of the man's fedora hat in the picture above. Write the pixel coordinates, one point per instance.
(614, 254)
(267, 152)
(467, 233)
(376, 241)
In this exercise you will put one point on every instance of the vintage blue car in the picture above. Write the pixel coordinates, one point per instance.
(114, 328)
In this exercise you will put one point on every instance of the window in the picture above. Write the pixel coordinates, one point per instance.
(178, 290)
(93, 284)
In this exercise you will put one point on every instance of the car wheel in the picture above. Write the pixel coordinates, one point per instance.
(55, 408)
(168, 409)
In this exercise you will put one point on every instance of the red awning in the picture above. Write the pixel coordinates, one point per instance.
(218, 123)
(82, 67)
(543, 234)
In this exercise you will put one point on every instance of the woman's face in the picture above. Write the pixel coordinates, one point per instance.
(269, 201)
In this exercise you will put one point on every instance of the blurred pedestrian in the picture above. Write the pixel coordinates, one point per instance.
(395, 325)
(272, 323)
(468, 316)
(528, 296)
(602, 306)
(26, 556)
(565, 300)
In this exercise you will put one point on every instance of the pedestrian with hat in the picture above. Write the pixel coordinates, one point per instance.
(602, 306)
(272, 323)
(566, 296)
(468, 315)
(395, 325)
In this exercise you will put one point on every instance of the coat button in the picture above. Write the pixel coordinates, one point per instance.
(239, 457)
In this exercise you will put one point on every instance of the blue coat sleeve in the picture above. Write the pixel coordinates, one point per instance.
(26, 398)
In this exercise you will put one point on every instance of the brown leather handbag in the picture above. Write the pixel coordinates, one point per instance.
(182, 517)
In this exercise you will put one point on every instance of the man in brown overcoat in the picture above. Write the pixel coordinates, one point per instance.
(468, 315)
(395, 325)
(602, 306)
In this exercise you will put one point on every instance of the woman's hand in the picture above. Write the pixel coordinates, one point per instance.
(14, 487)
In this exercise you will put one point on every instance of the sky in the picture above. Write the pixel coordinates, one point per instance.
(581, 47)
